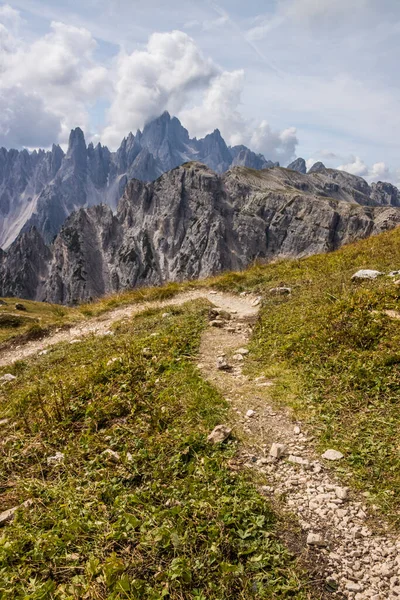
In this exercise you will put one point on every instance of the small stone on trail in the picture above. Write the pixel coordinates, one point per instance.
(243, 351)
(111, 455)
(222, 365)
(7, 377)
(341, 493)
(219, 434)
(43, 353)
(217, 323)
(298, 460)
(367, 274)
(250, 413)
(256, 301)
(238, 357)
(296, 430)
(213, 292)
(280, 291)
(332, 455)
(277, 450)
(75, 341)
(20, 306)
(315, 539)
(56, 459)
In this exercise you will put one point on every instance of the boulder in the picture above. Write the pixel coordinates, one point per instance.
(332, 455)
(219, 434)
(366, 274)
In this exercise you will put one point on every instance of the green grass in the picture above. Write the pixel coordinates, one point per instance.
(166, 520)
(335, 356)
(37, 320)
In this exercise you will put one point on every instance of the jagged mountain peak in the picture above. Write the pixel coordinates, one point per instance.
(298, 165)
(318, 166)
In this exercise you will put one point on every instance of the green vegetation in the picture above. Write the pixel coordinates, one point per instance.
(37, 320)
(165, 517)
(335, 355)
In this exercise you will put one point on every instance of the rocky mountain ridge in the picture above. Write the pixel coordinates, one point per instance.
(43, 188)
(191, 223)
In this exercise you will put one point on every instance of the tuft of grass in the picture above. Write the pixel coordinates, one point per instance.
(163, 518)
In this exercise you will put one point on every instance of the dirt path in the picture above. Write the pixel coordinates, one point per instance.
(353, 561)
(350, 558)
(101, 325)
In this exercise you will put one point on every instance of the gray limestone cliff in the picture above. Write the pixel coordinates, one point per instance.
(41, 189)
(191, 223)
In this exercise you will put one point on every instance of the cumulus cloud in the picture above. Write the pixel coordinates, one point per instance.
(277, 146)
(379, 171)
(24, 121)
(160, 77)
(171, 73)
(219, 109)
(48, 85)
(56, 74)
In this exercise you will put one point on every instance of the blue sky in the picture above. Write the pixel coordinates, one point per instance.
(311, 78)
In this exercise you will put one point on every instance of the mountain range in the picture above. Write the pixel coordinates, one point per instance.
(192, 222)
(42, 188)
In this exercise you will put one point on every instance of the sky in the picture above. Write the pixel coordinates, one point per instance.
(311, 78)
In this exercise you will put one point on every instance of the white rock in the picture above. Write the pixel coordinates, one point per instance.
(7, 377)
(250, 413)
(243, 351)
(277, 450)
(56, 459)
(367, 274)
(280, 291)
(351, 586)
(341, 492)
(219, 434)
(332, 455)
(298, 460)
(296, 430)
(43, 353)
(315, 539)
(238, 357)
(75, 341)
(222, 365)
(7, 515)
(256, 301)
(111, 455)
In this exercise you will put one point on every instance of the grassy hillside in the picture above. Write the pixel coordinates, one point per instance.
(36, 320)
(140, 505)
(335, 355)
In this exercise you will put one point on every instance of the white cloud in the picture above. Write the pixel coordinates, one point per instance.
(377, 172)
(171, 73)
(275, 145)
(160, 77)
(24, 121)
(56, 73)
(219, 109)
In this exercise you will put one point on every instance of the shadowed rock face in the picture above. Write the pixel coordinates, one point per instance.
(42, 188)
(191, 223)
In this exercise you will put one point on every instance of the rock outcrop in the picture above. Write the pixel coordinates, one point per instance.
(298, 165)
(42, 188)
(191, 223)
